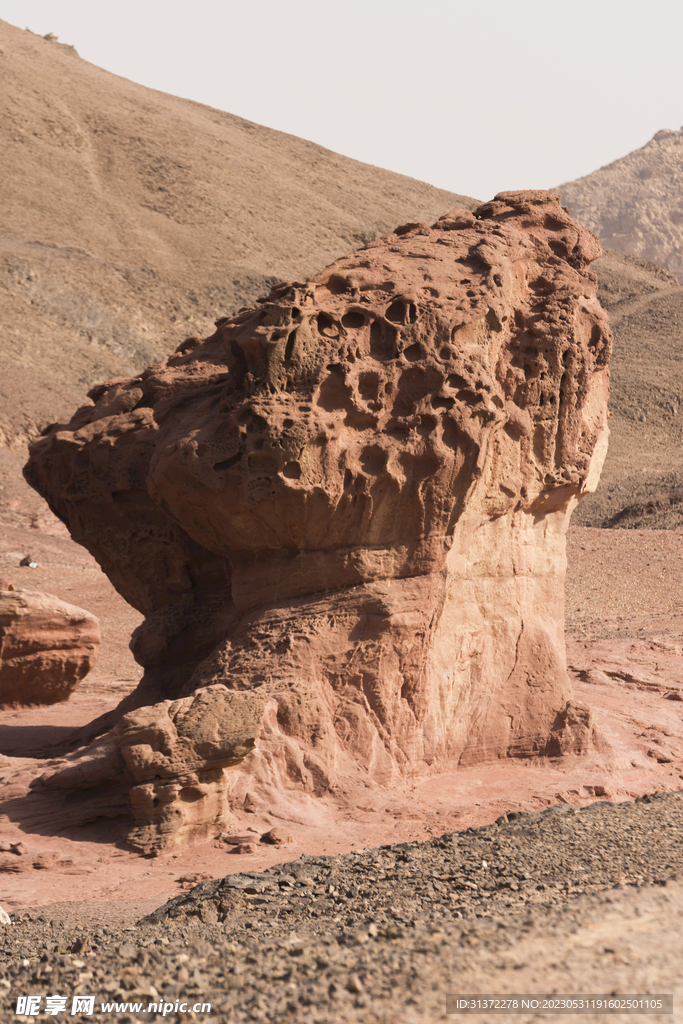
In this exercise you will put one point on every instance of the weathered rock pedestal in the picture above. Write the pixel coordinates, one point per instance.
(349, 505)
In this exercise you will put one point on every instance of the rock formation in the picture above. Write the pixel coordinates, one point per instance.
(343, 516)
(46, 647)
(164, 765)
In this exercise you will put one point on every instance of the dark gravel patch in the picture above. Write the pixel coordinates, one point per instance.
(359, 937)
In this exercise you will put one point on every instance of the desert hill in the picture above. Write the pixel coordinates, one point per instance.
(131, 218)
(642, 482)
(635, 204)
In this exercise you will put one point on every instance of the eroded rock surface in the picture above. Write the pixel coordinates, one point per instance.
(164, 765)
(352, 501)
(46, 647)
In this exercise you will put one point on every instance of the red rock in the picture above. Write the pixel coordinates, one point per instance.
(46, 647)
(189, 881)
(164, 765)
(277, 837)
(352, 502)
(235, 840)
(13, 866)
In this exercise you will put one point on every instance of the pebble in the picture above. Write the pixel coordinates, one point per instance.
(277, 837)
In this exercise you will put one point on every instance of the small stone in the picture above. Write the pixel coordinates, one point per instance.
(208, 912)
(660, 756)
(4, 918)
(189, 881)
(246, 848)
(21, 849)
(277, 837)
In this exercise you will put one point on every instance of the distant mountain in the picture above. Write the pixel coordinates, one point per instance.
(635, 204)
(130, 219)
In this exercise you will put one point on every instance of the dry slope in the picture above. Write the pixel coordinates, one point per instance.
(635, 205)
(642, 480)
(131, 218)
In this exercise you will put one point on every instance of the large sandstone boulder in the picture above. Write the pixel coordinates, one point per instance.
(352, 500)
(46, 647)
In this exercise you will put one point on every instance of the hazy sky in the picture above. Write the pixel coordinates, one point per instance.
(474, 97)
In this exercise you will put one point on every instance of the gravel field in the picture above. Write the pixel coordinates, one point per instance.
(566, 900)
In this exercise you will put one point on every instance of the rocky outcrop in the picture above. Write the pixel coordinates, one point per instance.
(352, 501)
(163, 766)
(46, 647)
(631, 203)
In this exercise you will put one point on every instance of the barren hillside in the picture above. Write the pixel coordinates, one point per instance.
(635, 204)
(642, 482)
(131, 218)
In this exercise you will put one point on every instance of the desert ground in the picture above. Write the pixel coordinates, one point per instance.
(502, 878)
(625, 652)
(372, 952)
